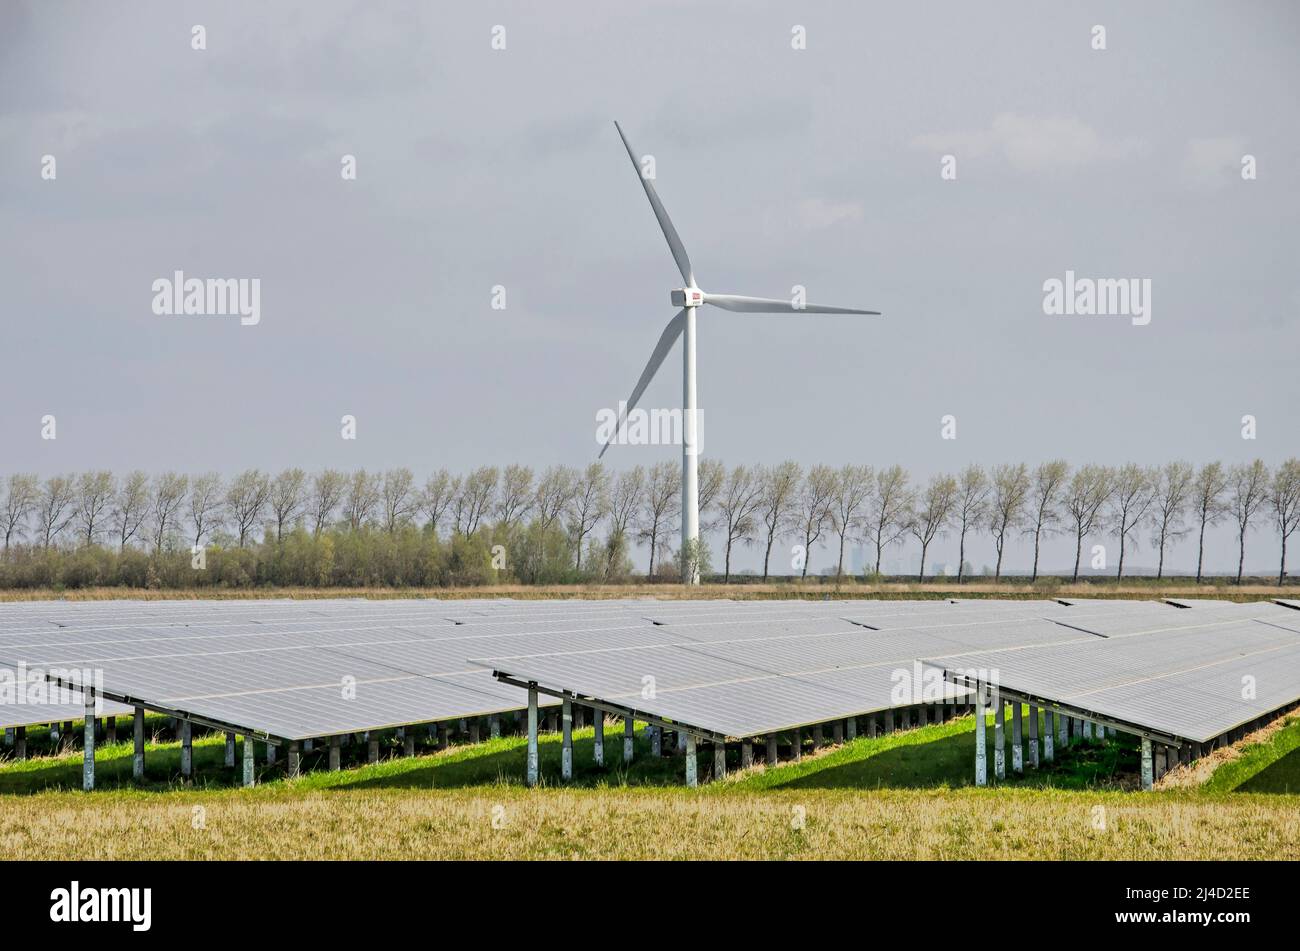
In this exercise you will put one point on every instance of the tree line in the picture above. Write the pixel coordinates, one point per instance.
(569, 524)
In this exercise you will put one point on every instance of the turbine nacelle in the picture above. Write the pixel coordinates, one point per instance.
(688, 297)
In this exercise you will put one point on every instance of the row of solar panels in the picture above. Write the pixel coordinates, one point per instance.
(293, 669)
(285, 667)
(299, 669)
(1186, 673)
(1195, 681)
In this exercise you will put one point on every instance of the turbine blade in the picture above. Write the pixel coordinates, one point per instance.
(674, 242)
(769, 305)
(666, 341)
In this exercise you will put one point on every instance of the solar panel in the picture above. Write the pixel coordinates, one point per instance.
(15, 714)
(739, 685)
(1187, 682)
(295, 670)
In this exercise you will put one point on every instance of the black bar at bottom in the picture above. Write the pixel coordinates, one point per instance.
(956, 900)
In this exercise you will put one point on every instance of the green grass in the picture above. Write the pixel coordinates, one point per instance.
(1270, 767)
(943, 757)
(936, 757)
(488, 763)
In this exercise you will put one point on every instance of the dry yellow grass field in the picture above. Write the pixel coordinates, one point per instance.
(652, 824)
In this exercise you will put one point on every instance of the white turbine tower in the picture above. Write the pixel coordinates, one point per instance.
(683, 325)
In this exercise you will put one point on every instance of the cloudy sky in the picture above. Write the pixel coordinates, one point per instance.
(479, 167)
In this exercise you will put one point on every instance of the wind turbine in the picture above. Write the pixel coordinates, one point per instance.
(682, 325)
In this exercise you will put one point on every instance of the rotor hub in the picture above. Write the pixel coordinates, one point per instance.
(688, 297)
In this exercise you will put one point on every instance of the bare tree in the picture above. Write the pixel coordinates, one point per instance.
(1087, 493)
(589, 504)
(1045, 501)
(738, 502)
(246, 499)
(475, 497)
(398, 498)
(931, 514)
(1133, 490)
(853, 490)
(1207, 504)
(55, 508)
(1173, 490)
(780, 492)
(1247, 492)
(360, 499)
(554, 493)
(970, 511)
(624, 502)
(815, 505)
(712, 473)
(516, 495)
(461, 507)
(207, 500)
(131, 507)
(1284, 501)
(164, 503)
(287, 497)
(889, 510)
(1007, 498)
(440, 489)
(327, 490)
(94, 498)
(660, 503)
(21, 495)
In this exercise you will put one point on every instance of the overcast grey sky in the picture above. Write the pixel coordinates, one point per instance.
(479, 167)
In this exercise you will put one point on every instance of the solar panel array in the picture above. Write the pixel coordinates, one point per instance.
(1193, 680)
(300, 669)
(746, 676)
(295, 669)
(290, 670)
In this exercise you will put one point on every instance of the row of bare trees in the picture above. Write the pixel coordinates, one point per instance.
(98, 508)
(883, 508)
(602, 512)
